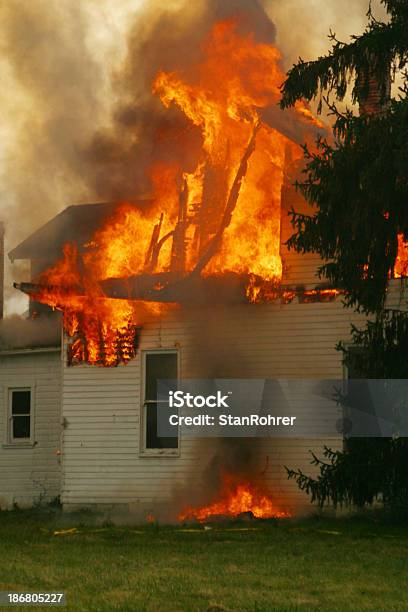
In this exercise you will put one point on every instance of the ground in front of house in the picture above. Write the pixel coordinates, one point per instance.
(318, 564)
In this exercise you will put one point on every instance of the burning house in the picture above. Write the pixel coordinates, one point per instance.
(194, 281)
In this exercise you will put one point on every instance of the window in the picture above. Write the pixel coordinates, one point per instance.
(157, 366)
(20, 415)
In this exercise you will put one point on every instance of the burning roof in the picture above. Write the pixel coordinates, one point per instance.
(76, 223)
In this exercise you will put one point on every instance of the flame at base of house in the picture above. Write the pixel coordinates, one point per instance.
(236, 498)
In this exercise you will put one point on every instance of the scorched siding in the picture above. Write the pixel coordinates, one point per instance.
(31, 474)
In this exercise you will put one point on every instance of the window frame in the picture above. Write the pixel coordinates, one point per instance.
(154, 452)
(9, 441)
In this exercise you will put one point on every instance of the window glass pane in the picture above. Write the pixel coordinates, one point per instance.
(152, 439)
(20, 403)
(159, 366)
(21, 427)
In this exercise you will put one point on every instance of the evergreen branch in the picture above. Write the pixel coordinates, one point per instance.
(372, 51)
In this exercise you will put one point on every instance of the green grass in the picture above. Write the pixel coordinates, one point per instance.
(317, 564)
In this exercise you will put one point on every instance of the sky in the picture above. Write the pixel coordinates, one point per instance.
(60, 68)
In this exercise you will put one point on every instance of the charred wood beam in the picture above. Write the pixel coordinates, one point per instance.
(153, 243)
(167, 287)
(164, 287)
(37, 289)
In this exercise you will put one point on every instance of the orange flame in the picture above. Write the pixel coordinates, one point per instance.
(224, 216)
(401, 263)
(234, 500)
(104, 331)
(236, 79)
(150, 518)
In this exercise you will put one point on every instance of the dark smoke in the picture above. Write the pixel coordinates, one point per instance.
(144, 132)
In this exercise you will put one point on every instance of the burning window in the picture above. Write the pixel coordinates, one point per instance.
(158, 366)
(20, 415)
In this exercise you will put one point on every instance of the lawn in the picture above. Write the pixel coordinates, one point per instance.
(317, 564)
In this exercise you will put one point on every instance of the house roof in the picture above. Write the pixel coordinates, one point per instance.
(76, 223)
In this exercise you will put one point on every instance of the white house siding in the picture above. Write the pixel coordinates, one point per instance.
(31, 474)
(102, 465)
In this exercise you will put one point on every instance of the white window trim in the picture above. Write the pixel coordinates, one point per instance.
(154, 452)
(19, 385)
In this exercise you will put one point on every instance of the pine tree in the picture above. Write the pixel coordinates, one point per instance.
(357, 185)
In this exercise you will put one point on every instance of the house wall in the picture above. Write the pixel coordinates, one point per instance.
(31, 474)
(102, 464)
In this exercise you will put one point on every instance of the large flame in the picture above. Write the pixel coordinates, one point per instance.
(223, 216)
(236, 498)
(236, 79)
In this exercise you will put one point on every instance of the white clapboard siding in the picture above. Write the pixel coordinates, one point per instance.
(32, 474)
(102, 465)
